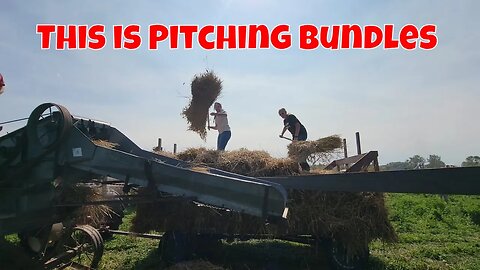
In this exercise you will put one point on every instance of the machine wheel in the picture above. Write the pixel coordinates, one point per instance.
(341, 260)
(175, 247)
(91, 243)
(48, 133)
(83, 248)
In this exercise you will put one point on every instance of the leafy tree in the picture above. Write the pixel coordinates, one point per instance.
(435, 161)
(471, 161)
(395, 166)
(415, 162)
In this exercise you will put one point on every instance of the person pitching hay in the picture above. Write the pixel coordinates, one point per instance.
(221, 124)
(298, 131)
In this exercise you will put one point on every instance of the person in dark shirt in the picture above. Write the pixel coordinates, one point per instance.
(298, 131)
(291, 122)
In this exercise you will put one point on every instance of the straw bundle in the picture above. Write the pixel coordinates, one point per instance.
(301, 150)
(105, 144)
(206, 87)
(352, 218)
(94, 215)
(180, 214)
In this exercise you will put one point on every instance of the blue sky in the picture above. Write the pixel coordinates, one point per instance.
(402, 102)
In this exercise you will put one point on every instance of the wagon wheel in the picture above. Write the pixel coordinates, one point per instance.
(341, 260)
(89, 245)
(82, 249)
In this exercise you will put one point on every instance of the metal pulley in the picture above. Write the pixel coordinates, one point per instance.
(48, 125)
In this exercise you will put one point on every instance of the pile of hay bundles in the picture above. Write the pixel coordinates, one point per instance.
(178, 214)
(353, 218)
(301, 150)
(206, 87)
(242, 161)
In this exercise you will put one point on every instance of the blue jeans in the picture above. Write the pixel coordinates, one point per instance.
(222, 140)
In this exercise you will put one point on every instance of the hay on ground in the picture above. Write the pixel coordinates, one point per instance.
(206, 87)
(301, 150)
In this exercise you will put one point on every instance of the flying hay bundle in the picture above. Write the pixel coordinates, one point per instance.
(206, 87)
(301, 150)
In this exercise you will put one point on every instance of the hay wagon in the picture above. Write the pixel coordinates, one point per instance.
(338, 214)
(45, 165)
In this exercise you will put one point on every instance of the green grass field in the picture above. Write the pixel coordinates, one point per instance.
(433, 234)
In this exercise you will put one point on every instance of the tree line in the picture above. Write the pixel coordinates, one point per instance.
(433, 161)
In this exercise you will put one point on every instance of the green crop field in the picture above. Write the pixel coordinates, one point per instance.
(434, 234)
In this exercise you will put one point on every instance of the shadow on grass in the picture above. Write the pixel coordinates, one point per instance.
(14, 257)
(152, 261)
(376, 264)
(248, 255)
(269, 254)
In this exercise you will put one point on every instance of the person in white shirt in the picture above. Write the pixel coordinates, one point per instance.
(221, 125)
